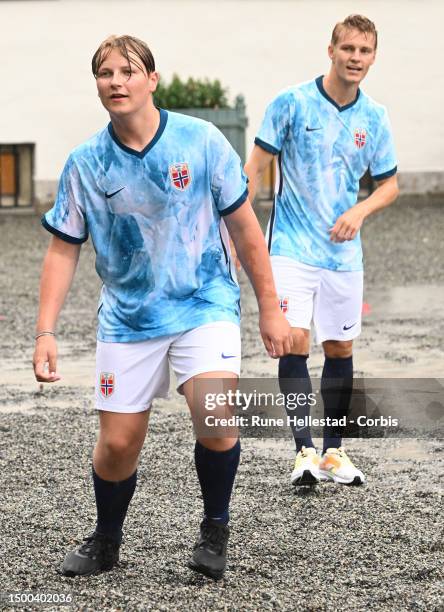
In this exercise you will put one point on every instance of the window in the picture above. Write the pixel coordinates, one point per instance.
(16, 175)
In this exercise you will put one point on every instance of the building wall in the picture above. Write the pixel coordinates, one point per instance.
(255, 47)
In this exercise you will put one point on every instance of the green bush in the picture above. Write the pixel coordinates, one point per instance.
(193, 93)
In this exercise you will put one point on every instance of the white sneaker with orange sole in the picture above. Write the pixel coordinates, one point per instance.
(336, 465)
(306, 468)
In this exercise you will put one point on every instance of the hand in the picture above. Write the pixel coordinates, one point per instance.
(347, 225)
(275, 332)
(45, 353)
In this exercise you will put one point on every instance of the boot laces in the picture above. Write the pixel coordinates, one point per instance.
(214, 535)
(96, 544)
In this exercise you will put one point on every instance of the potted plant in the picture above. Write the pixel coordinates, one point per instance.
(207, 100)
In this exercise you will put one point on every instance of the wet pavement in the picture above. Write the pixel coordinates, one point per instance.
(378, 547)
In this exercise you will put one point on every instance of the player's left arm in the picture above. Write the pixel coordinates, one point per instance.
(349, 223)
(248, 239)
(254, 168)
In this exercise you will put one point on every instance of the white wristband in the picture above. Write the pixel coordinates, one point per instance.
(44, 333)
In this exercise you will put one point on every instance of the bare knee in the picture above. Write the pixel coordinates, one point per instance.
(119, 448)
(121, 435)
(338, 349)
(300, 341)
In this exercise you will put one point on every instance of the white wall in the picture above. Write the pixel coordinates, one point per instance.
(255, 47)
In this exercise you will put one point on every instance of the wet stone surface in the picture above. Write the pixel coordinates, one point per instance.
(378, 547)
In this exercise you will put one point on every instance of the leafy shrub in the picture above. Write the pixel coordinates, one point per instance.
(194, 93)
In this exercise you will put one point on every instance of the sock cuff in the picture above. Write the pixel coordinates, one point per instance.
(129, 480)
(293, 366)
(288, 359)
(201, 449)
(338, 359)
(338, 367)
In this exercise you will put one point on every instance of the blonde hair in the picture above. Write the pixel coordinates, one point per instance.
(357, 22)
(126, 45)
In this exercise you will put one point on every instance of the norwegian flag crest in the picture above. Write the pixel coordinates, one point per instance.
(180, 176)
(283, 304)
(106, 383)
(360, 137)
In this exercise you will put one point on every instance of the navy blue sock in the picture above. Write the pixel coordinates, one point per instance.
(336, 390)
(112, 501)
(216, 471)
(295, 367)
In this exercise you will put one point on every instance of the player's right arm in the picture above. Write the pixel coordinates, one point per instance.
(255, 167)
(270, 139)
(58, 271)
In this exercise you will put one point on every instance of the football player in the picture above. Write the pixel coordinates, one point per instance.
(325, 134)
(159, 193)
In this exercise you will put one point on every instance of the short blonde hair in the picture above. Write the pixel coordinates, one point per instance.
(126, 45)
(356, 22)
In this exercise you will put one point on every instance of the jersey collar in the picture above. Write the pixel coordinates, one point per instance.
(327, 97)
(150, 145)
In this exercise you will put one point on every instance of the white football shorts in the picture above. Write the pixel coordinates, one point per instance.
(130, 375)
(328, 299)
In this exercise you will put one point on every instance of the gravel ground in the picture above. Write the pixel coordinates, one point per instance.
(378, 547)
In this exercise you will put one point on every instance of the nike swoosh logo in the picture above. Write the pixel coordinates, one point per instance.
(345, 328)
(110, 195)
(227, 356)
(313, 129)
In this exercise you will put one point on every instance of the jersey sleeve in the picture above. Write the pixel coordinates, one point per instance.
(383, 165)
(66, 219)
(274, 128)
(228, 180)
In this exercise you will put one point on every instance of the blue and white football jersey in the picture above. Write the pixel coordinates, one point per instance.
(162, 249)
(323, 151)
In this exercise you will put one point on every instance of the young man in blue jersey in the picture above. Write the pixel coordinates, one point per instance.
(325, 133)
(157, 192)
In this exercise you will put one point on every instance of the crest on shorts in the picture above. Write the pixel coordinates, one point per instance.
(106, 383)
(180, 176)
(360, 137)
(283, 304)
